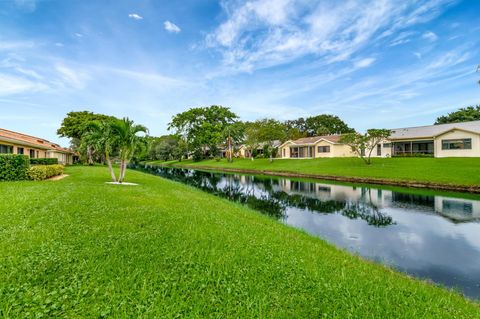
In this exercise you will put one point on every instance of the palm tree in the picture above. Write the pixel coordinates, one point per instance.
(99, 135)
(127, 140)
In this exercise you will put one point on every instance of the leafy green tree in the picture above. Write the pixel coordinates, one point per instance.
(203, 128)
(323, 124)
(469, 113)
(233, 134)
(167, 147)
(251, 138)
(268, 131)
(326, 124)
(364, 144)
(74, 126)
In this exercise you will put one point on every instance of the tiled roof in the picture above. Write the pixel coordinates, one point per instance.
(315, 139)
(32, 141)
(431, 131)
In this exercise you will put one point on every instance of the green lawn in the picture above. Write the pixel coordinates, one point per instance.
(80, 248)
(460, 171)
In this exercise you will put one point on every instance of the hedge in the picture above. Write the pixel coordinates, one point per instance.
(43, 161)
(41, 172)
(13, 167)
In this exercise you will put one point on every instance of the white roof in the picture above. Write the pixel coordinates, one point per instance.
(431, 131)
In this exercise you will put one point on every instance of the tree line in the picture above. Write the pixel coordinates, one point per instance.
(209, 132)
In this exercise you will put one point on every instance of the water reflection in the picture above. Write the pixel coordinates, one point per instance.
(433, 237)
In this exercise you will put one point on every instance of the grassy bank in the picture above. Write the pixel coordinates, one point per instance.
(80, 248)
(456, 171)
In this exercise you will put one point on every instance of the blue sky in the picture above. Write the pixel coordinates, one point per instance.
(380, 63)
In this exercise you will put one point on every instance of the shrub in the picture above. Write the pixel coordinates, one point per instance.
(41, 172)
(43, 161)
(13, 167)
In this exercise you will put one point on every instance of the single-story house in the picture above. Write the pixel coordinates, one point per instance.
(245, 151)
(34, 147)
(315, 146)
(444, 140)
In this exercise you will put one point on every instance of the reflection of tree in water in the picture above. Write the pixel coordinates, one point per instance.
(272, 203)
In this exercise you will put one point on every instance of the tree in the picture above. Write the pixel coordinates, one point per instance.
(100, 135)
(470, 113)
(268, 131)
(326, 124)
(127, 139)
(233, 134)
(251, 139)
(75, 125)
(167, 147)
(323, 124)
(203, 128)
(364, 144)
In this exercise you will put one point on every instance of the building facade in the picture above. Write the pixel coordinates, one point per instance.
(34, 147)
(445, 140)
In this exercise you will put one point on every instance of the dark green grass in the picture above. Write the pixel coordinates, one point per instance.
(81, 248)
(459, 171)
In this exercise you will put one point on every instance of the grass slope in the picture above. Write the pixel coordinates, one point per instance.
(459, 171)
(80, 248)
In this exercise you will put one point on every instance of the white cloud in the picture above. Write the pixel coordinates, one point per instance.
(79, 35)
(135, 16)
(10, 85)
(264, 33)
(73, 78)
(171, 27)
(363, 63)
(28, 5)
(15, 45)
(430, 36)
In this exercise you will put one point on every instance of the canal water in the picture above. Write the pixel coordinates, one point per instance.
(427, 235)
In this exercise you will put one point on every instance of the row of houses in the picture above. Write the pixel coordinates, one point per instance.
(34, 147)
(445, 140)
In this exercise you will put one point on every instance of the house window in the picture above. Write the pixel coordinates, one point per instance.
(6, 149)
(20, 150)
(283, 152)
(379, 150)
(324, 149)
(32, 153)
(460, 144)
(387, 145)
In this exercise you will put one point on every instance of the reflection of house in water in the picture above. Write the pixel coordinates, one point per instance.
(456, 209)
(375, 197)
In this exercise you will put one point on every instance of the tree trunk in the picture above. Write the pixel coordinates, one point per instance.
(123, 168)
(121, 172)
(89, 155)
(112, 173)
(125, 163)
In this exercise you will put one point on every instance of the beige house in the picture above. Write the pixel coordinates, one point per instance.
(245, 152)
(445, 140)
(34, 147)
(315, 147)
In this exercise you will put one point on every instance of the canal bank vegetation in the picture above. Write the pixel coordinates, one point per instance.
(458, 173)
(165, 249)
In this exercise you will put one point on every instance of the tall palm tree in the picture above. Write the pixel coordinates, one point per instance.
(127, 140)
(100, 136)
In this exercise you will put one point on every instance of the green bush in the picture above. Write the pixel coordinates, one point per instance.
(41, 172)
(43, 161)
(13, 167)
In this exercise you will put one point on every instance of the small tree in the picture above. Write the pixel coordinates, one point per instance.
(364, 144)
(269, 131)
(128, 141)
